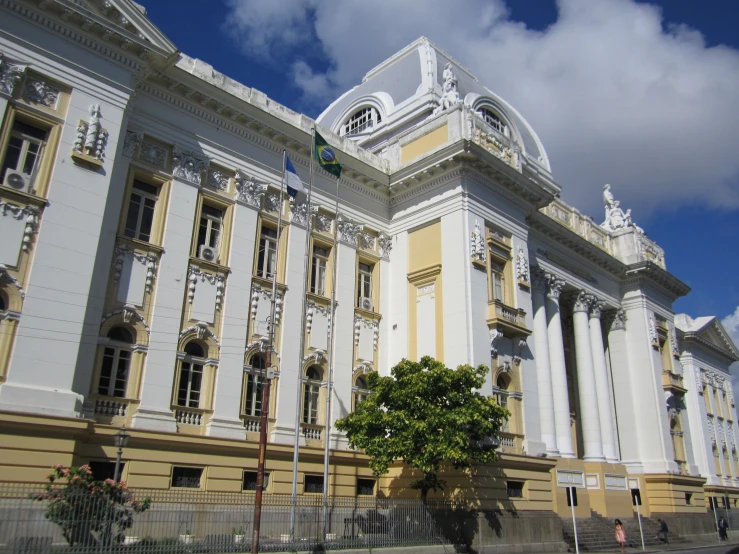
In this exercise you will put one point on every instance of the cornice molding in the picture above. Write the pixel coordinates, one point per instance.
(695, 338)
(650, 273)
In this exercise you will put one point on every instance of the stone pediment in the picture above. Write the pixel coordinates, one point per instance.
(709, 332)
(715, 334)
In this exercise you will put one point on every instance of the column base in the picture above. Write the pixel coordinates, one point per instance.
(154, 419)
(535, 448)
(39, 400)
(225, 428)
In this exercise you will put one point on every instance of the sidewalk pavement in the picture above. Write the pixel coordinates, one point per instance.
(695, 546)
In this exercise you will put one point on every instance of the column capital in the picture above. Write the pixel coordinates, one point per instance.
(618, 323)
(581, 301)
(596, 307)
(554, 285)
(538, 279)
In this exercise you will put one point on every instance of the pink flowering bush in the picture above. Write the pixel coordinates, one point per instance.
(88, 511)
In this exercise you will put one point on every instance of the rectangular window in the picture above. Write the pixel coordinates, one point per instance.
(141, 206)
(497, 280)
(364, 287)
(250, 481)
(313, 483)
(114, 372)
(209, 231)
(365, 487)
(191, 379)
(310, 403)
(318, 271)
(266, 263)
(186, 477)
(22, 156)
(515, 489)
(253, 401)
(104, 470)
(688, 498)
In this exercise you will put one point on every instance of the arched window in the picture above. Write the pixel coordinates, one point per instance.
(190, 379)
(116, 363)
(254, 386)
(362, 120)
(361, 391)
(3, 305)
(494, 120)
(311, 394)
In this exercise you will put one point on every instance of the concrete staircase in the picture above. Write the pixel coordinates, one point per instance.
(597, 533)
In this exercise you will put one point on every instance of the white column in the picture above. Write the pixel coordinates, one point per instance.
(543, 369)
(589, 417)
(601, 383)
(225, 421)
(558, 369)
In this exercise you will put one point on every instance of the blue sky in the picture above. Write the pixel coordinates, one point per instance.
(641, 94)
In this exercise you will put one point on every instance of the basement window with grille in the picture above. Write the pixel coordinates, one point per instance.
(313, 484)
(515, 489)
(365, 487)
(186, 477)
(250, 481)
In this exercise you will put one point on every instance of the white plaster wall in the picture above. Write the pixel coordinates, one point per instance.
(154, 412)
(455, 260)
(396, 291)
(385, 308)
(225, 420)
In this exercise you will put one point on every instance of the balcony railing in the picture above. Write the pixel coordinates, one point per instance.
(673, 382)
(189, 416)
(111, 405)
(313, 432)
(510, 443)
(511, 320)
(253, 424)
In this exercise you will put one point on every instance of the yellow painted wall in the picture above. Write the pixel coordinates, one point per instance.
(424, 144)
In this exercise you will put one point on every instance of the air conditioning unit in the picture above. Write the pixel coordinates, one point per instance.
(17, 181)
(208, 253)
(365, 303)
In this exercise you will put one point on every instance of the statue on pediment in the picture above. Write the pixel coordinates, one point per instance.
(616, 218)
(450, 95)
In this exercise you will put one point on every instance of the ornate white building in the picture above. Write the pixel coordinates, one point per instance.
(139, 200)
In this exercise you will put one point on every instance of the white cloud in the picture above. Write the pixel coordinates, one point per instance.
(615, 96)
(731, 324)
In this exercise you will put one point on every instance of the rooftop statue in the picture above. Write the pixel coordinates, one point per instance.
(450, 96)
(615, 217)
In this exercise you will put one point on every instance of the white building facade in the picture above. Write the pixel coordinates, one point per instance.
(139, 213)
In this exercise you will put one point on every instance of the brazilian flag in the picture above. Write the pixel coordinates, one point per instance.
(326, 156)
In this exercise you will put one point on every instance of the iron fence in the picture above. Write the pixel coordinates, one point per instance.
(186, 521)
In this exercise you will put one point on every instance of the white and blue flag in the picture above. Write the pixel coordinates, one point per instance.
(294, 184)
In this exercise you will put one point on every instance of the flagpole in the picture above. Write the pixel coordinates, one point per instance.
(301, 351)
(329, 386)
(265, 379)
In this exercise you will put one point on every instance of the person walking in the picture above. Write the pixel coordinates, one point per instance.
(663, 530)
(722, 529)
(620, 534)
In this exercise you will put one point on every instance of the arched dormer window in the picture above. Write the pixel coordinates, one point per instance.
(116, 363)
(494, 120)
(362, 120)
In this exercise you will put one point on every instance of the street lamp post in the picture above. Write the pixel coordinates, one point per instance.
(121, 440)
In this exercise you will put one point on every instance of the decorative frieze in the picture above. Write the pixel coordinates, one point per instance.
(371, 324)
(366, 240)
(152, 154)
(11, 75)
(478, 251)
(132, 143)
(324, 223)
(38, 91)
(218, 280)
(129, 314)
(218, 179)
(202, 331)
(299, 212)
(150, 261)
(653, 338)
(28, 214)
(673, 342)
(386, 245)
(258, 295)
(348, 230)
(619, 321)
(272, 202)
(522, 267)
(248, 190)
(188, 166)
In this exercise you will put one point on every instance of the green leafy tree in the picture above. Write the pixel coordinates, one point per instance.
(88, 511)
(426, 415)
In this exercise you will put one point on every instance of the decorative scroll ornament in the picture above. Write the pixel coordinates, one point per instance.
(129, 313)
(362, 369)
(272, 202)
(495, 336)
(201, 331)
(10, 75)
(188, 166)
(91, 137)
(218, 179)
(149, 260)
(522, 267)
(596, 307)
(554, 285)
(132, 143)
(29, 213)
(450, 94)
(318, 356)
(615, 217)
(366, 240)
(41, 92)
(581, 302)
(299, 212)
(386, 245)
(673, 342)
(700, 380)
(194, 275)
(478, 251)
(153, 154)
(619, 321)
(348, 230)
(248, 190)
(372, 324)
(653, 331)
